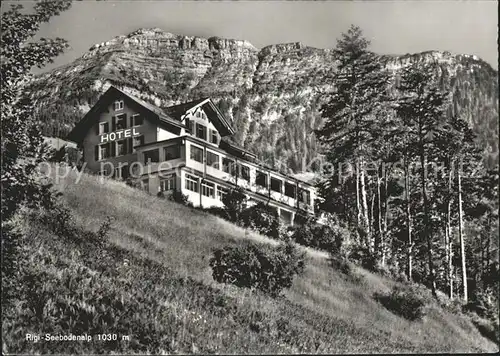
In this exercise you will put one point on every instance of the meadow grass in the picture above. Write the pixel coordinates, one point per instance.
(158, 263)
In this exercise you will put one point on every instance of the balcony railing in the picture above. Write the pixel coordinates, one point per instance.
(217, 171)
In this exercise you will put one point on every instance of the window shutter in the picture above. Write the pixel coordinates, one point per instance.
(131, 120)
(113, 123)
(113, 149)
(97, 128)
(96, 153)
(130, 144)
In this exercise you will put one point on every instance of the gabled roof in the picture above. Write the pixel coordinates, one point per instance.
(213, 113)
(81, 128)
(177, 111)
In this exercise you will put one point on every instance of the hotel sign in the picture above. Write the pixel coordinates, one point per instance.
(118, 135)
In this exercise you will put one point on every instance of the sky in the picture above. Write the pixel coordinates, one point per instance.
(394, 27)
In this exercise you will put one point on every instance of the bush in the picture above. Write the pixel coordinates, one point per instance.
(333, 238)
(235, 202)
(488, 328)
(220, 212)
(362, 256)
(263, 219)
(60, 221)
(266, 268)
(483, 304)
(405, 301)
(341, 264)
(454, 306)
(179, 197)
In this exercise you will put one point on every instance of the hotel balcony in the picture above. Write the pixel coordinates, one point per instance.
(188, 155)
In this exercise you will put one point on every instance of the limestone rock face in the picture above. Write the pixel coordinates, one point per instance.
(272, 95)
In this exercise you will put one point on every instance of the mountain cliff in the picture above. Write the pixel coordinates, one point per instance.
(272, 95)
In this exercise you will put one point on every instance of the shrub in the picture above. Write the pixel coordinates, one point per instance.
(405, 301)
(483, 304)
(179, 197)
(235, 202)
(60, 220)
(488, 328)
(362, 256)
(103, 231)
(341, 264)
(220, 212)
(455, 306)
(263, 219)
(266, 268)
(333, 238)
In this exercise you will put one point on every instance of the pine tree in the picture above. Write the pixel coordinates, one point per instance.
(422, 109)
(360, 86)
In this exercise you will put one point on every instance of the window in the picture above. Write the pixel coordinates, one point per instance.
(124, 171)
(151, 156)
(121, 122)
(136, 120)
(121, 147)
(172, 152)
(103, 127)
(196, 154)
(228, 166)
(200, 114)
(245, 172)
(103, 151)
(118, 105)
(276, 185)
(145, 185)
(201, 131)
(261, 179)
(290, 190)
(192, 183)
(167, 183)
(305, 196)
(221, 192)
(212, 160)
(208, 189)
(117, 173)
(214, 138)
(138, 141)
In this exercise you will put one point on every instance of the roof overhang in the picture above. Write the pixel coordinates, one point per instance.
(81, 128)
(216, 117)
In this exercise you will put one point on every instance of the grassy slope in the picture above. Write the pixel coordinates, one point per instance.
(326, 310)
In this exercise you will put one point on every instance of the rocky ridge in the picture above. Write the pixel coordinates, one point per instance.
(272, 95)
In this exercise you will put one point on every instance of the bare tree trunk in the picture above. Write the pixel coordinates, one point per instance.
(386, 216)
(372, 217)
(358, 204)
(461, 234)
(380, 247)
(364, 202)
(427, 231)
(448, 234)
(408, 218)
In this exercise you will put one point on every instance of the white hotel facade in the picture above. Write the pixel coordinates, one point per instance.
(182, 148)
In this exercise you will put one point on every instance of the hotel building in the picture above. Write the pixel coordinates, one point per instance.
(182, 148)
